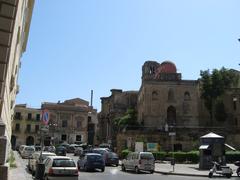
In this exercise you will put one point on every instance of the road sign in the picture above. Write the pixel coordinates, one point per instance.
(45, 116)
(172, 134)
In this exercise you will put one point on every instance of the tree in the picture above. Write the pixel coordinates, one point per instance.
(213, 86)
(129, 119)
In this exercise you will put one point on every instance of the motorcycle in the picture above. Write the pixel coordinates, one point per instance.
(219, 169)
(237, 163)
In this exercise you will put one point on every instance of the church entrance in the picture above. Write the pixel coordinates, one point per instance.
(171, 115)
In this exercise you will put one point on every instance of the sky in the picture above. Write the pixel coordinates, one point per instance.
(77, 46)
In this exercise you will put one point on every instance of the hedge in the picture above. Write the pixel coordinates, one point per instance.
(232, 156)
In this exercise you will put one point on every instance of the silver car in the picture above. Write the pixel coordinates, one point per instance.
(27, 151)
(139, 161)
(60, 168)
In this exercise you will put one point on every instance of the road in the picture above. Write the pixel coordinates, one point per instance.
(115, 173)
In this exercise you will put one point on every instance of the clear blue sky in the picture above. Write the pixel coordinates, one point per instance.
(78, 45)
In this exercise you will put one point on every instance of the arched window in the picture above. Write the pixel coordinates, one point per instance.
(170, 95)
(171, 115)
(187, 96)
(154, 95)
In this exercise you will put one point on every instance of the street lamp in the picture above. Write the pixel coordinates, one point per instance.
(171, 133)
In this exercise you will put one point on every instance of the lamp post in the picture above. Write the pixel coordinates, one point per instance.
(172, 134)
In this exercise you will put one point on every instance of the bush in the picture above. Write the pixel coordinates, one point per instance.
(232, 156)
(160, 155)
(124, 153)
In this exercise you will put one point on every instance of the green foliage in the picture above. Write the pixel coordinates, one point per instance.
(124, 153)
(213, 86)
(160, 155)
(232, 156)
(129, 119)
(12, 161)
(180, 157)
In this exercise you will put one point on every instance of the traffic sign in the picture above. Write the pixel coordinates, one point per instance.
(45, 116)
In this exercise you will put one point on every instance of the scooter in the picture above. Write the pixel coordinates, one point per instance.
(222, 170)
(237, 163)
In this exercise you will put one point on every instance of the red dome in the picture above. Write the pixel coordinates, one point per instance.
(167, 67)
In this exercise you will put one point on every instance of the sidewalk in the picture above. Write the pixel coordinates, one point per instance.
(19, 173)
(186, 169)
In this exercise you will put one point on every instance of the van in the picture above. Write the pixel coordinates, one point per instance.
(139, 161)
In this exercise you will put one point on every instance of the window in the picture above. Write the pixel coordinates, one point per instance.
(154, 95)
(29, 116)
(234, 103)
(170, 95)
(79, 124)
(38, 117)
(28, 128)
(187, 96)
(64, 137)
(64, 123)
(36, 128)
(78, 137)
(18, 116)
(17, 127)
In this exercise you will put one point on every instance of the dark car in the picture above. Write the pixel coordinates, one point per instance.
(112, 159)
(91, 161)
(61, 151)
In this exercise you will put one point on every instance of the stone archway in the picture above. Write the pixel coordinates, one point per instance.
(171, 115)
(13, 142)
(29, 141)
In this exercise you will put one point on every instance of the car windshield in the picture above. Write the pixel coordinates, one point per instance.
(99, 151)
(113, 155)
(147, 156)
(94, 157)
(63, 163)
(29, 149)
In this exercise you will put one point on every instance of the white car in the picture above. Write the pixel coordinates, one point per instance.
(27, 151)
(32, 163)
(60, 168)
(139, 161)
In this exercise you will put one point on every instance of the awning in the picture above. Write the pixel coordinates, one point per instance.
(230, 147)
(203, 146)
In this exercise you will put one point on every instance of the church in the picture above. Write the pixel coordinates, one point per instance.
(168, 105)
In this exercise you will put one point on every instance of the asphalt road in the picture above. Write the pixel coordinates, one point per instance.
(115, 173)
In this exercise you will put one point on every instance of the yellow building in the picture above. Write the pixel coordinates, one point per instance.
(15, 18)
(26, 125)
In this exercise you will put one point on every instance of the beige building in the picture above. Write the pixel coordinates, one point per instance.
(26, 125)
(167, 103)
(15, 18)
(72, 121)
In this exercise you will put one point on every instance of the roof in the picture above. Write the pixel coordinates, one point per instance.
(211, 135)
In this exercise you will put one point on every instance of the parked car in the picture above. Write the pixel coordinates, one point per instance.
(38, 148)
(112, 159)
(20, 149)
(91, 161)
(78, 151)
(60, 151)
(60, 168)
(32, 163)
(27, 151)
(103, 151)
(139, 161)
(49, 149)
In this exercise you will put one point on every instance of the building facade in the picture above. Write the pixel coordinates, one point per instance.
(70, 122)
(25, 126)
(113, 107)
(168, 105)
(15, 18)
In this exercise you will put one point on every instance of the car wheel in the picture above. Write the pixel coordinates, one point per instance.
(229, 175)
(136, 170)
(117, 165)
(151, 172)
(123, 168)
(85, 168)
(103, 169)
(238, 172)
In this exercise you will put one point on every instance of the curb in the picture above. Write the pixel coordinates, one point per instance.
(181, 174)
